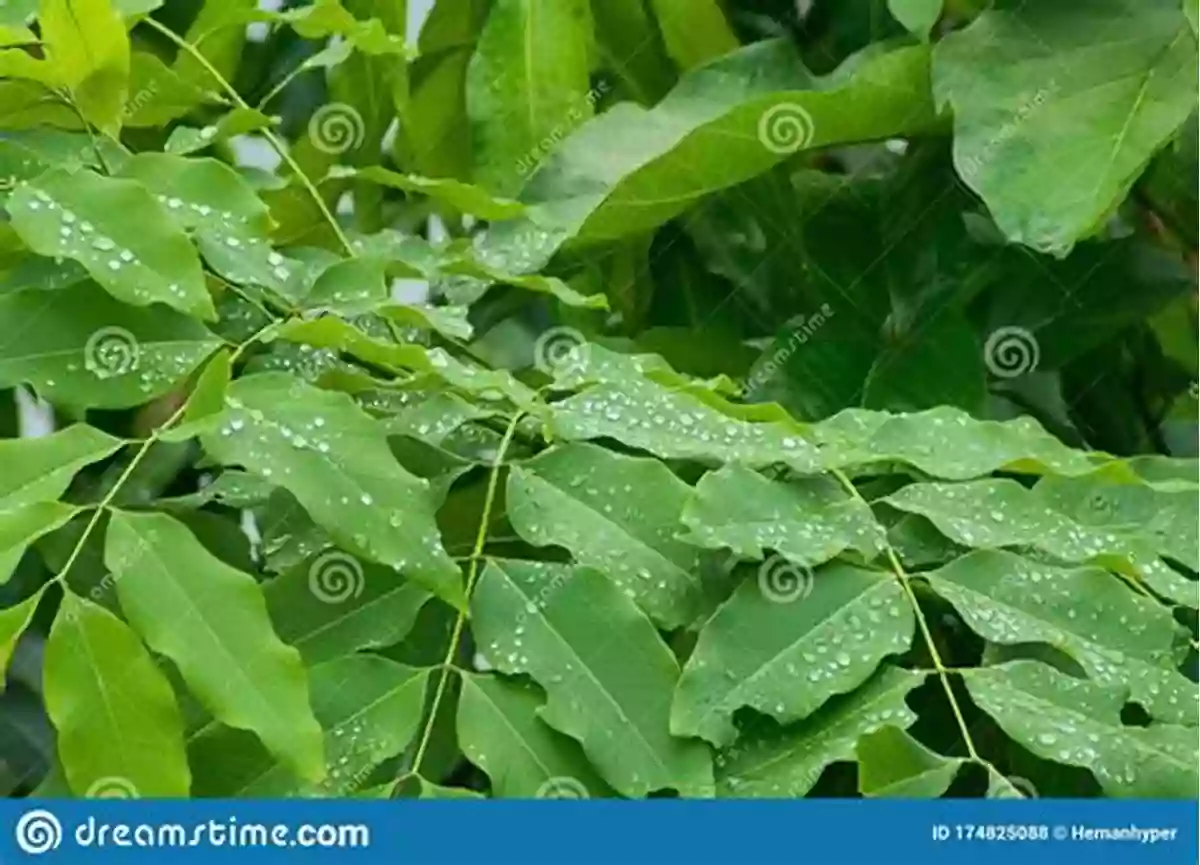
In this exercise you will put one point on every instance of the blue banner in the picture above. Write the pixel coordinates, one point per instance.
(661, 832)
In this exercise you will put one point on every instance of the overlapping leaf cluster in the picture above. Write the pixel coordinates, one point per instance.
(617, 571)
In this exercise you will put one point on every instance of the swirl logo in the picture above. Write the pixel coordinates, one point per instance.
(783, 582)
(336, 577)
(38, 832)
(1011, 351)
(336, 128)
(559, 351)
(110, 352)
(562, 788)
(786, 128)
(112, 787)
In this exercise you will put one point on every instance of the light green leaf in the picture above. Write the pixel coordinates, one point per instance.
(13, 622)
(785, 643)
(1079, 723)
(892, 763)
(157, 94)
(220, 209)
(614, 513)
(21, 526)
(679, 424)
(335, 460)
(1166, 515)
(527, 85)
(918, 16)
(480, 276)
(334, 605)
(239, 121)
(79, 347)
(500, 732)
(1118, 637)
(454, 193)
(115, 229)
(597, 657)
(369, 708)
(946, 443)
(1002, 513)
(41, 469)
(212, 621)
(807, 520)
(120, 732)
(769, 762)
(1054, 143)
(632, 169)
(694, 31)
(88, 48)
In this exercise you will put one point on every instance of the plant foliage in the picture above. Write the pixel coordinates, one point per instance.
(601, 399)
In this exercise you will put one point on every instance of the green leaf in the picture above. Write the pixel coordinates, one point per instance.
(527, 85)
(785, 643)
(695, 31)
(947, 443)
(369, 708)
(221, 640)
(769, 762)
(597, 657)
(335, 460)
(88, 48)
(335, 605)
(616, 514)
(13, 622)
(79, 347)
(21, 526)
(1079, 723)
(633, 169)
(808, 520)
(500, 732)
(115, 229)
(1054, 143)
(918, 16)
(461, 196)
(1167, 515)
(158, 94)
(1002, 513)
(1117, 637)
(120, 733)
(679, 424)
(893, 764)
(40, 469)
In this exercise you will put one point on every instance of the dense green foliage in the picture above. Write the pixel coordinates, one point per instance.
(612, 398)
